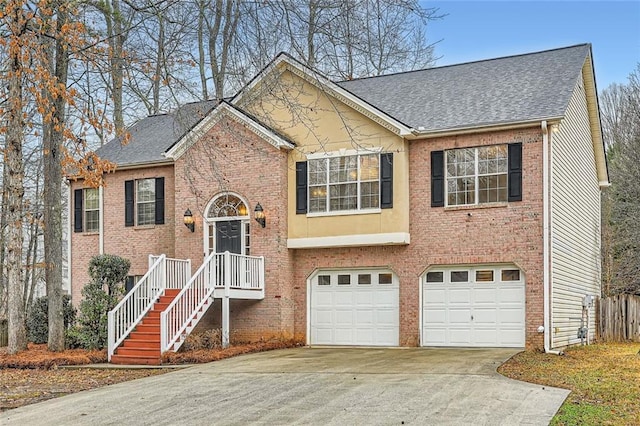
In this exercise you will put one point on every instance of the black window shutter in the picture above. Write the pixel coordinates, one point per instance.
(386, 180)
(437, 179)
(515, 172)
(301, 187)
(128, 202)
(77, 210)
(160, 201)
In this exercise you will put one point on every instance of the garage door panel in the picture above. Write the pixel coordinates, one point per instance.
(383, 296)
(485, 336)
(485, 295)
(435, 316)
(343, 318)
(459, 316)
(511, 337)
(354, 314)
(364, 317)
(460, 337)
(510, 295)
(485, 316)
(435, 336)
(386, 318)
(343, 298)
(437, 296)
(323, 317)
(342, 336)
(324, 298)
(460, 295)
(385, 337)
(324, 336)
(511, 316)
(364, 298)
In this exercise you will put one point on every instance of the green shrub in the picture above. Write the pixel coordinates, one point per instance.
(38, 318)
(108, 273)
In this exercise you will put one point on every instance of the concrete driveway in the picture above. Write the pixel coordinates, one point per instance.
(314, 386)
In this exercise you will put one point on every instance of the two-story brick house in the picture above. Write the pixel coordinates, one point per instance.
(452, 206)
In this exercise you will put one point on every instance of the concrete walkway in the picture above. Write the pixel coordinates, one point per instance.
(314, 386)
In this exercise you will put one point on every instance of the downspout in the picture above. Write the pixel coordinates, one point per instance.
(101, 219)
(546, 219)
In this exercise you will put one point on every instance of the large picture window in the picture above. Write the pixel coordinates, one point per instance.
(476, 175)
(344, 183)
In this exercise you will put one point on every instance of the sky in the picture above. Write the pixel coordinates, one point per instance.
(476, 30)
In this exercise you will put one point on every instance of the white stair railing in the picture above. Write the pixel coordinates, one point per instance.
(163, 273)
(180, 316)
(219, 270)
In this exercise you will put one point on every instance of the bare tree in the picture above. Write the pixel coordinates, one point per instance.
(620, 106)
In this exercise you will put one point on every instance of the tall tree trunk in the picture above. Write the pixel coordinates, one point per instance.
(3, 245)
(15, 183)
(201, 55)
(52, 144)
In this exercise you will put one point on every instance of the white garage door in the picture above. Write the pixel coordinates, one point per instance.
(354, 307)
(479, 306)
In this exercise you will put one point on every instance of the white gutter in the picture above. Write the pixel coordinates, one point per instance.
(546, 259)
(101, 222)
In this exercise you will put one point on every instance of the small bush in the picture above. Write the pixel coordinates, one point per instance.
(108, 273)
(38, 318)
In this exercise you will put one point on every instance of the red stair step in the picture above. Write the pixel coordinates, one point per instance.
(137, 343)
(135, 360)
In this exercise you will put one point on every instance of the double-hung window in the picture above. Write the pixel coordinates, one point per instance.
(144, 201)
(473, 176)
(344, 183)
(476, 175)
(358, 182)
(86, 210)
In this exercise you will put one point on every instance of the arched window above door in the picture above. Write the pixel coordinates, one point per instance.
(227, 205)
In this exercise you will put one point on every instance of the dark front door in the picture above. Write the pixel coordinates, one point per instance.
(229, 236)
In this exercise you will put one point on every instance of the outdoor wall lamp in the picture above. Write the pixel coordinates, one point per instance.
(260, 218)
(188, 220)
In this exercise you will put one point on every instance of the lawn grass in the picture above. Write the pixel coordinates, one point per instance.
(604, 380)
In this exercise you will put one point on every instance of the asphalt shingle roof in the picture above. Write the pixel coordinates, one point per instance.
(152, 136)
(504, 90)
(522, 88)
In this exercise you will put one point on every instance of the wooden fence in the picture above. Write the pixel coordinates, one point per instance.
(619, 318)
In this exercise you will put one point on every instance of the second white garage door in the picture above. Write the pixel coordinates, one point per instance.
(479, 306)
(354, 307)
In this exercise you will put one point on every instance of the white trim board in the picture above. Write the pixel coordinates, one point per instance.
(392, 238)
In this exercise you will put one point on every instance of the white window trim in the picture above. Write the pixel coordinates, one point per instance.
(358, 182)
(136, 202)
(476, 176)
(85, 228)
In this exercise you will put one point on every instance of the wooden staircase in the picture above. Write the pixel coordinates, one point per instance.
(142, 347)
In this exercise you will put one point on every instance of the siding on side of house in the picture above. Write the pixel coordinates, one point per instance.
(575, 222)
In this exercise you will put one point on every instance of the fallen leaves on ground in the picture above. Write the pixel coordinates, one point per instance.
(604, 380)
(27, 386)
(37, 356)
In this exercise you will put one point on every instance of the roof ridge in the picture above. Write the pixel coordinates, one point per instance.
(464, 63)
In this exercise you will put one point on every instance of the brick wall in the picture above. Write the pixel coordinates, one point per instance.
(232, 158)
(134, 243)
(510, 233)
